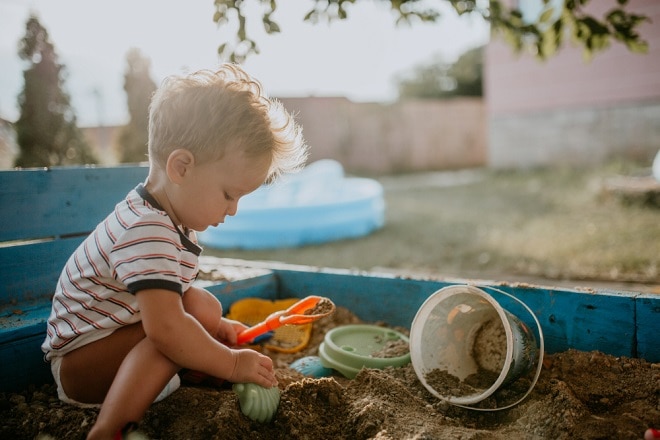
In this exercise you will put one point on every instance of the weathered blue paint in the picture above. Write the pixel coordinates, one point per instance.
(55, 202)
(18, 284)
(392, 300)
(648, 326)
(46, 213)
(264, 286)
(23, 364)
(579, 319)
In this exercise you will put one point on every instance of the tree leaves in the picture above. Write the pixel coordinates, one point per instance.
(543, 38)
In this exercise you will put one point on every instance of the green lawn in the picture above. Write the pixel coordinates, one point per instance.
(552, 224)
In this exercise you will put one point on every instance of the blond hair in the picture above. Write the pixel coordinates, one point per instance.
(209, 113)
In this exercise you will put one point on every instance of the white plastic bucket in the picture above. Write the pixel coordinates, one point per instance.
(464, 346)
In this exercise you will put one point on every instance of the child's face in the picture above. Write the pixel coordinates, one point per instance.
(210, 191)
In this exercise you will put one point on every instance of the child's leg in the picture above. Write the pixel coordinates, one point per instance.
(87, 372)
(123, 370)
(140, 378)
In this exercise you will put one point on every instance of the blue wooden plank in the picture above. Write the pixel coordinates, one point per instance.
(23, 321)
(581, 320)
(392, 300)
(39, 203)
(23, 364)
(263, 286)
(648, 326)
(30, 271)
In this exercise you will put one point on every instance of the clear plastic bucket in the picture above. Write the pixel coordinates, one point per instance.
(465, 347)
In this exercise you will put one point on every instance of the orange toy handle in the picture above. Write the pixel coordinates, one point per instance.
(306, 310)
(271, 323)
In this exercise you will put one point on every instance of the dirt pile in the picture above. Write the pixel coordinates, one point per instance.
(579, 395)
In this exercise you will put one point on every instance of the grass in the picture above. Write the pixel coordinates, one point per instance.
(551, 224)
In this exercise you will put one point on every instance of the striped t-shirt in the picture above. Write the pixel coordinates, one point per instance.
(136, 247)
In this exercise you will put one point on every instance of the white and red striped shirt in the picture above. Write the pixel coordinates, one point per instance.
(136, 247)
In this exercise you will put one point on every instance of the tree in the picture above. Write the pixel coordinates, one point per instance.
(545, 35)
(467, 72)
(46, 130)
(439, 79)
(139, 88)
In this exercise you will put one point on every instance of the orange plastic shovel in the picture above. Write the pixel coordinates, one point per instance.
(306, 310)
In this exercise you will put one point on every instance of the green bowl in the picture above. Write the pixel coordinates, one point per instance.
(350, 348)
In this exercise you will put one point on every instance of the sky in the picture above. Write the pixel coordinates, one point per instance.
(358, 58)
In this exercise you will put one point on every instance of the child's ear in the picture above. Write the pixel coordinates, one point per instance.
(179, 163)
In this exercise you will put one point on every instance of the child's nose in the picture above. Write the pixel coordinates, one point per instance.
(232, 208)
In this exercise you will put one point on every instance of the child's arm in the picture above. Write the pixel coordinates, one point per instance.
(183, 339)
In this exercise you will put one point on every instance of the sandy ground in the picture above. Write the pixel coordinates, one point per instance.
(579, 395)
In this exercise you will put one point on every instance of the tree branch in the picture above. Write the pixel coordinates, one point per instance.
(544, 37)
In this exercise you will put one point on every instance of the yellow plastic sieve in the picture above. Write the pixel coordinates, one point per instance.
(287, 338)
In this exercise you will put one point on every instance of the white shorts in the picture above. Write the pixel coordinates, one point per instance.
(55, 365)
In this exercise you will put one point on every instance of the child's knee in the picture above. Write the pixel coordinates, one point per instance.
(195, 297)
(205, 307)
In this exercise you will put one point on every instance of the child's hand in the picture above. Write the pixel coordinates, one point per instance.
(228, 331)
(252, 367)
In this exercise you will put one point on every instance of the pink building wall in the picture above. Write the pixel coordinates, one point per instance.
(569, 111)
(404, 136)
(522, 83)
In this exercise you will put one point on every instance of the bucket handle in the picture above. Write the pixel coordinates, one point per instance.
(539, 366)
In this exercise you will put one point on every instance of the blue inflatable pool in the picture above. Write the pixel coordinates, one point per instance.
(317, 205)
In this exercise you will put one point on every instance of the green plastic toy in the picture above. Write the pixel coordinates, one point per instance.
(349, 348)
(257, 403)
